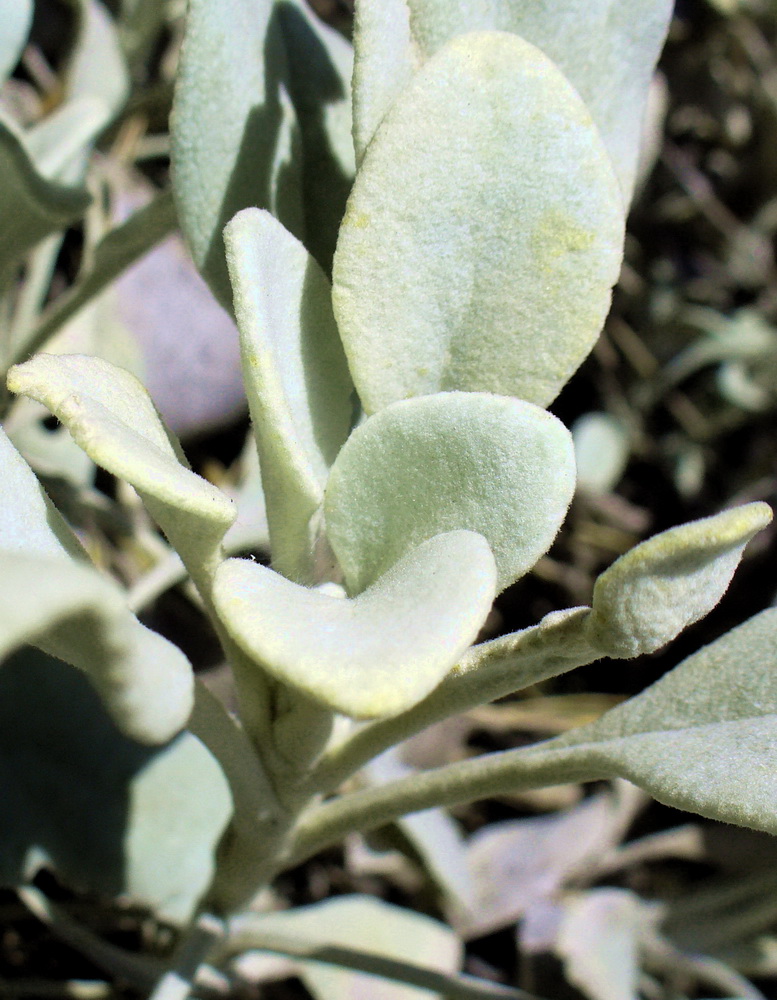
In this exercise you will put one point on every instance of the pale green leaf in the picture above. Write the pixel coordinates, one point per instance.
(72, 612)
(296, 377)
(353, 923)
(15, 17)
(483, 233)
(384, 63)
(320, 64)
(703, 737)
(606, 48)
(96, 66)
(233, 127)
(498, 466)
(670, 581)
(31, 207)
(112, 418)
(376, 654)
(106, 814)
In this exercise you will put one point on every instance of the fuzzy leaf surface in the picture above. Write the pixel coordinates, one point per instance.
(233, 128)
(296, 377)
(498, 466)
(670, 581)
(376, 654)
(606, 48)
(483, 234)
(704, 737)
(111, 416)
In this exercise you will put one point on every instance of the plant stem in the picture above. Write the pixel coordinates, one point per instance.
(465, 781)
(489, 671)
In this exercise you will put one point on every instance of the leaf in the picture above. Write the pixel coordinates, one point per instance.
(16, 17)
(378, 653)
(51, 596)
(483, 234)
(607, 50)
(108, 815)
(233, 128)
(661, 586)
(297, 381)
(498, 466)
(384, 63)
(703, 737)
(601, 451)
(320, 64)
(111, 417)
(354, 922)
(599, 940)
(70, 611)
(31, 207)
(515, 864)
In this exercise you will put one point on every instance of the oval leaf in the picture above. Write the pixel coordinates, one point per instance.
(606, 48)
(483, 233)
(16, 17)
(670, 581)
(111, 416)
(490, 464)
(296, 377)
(374, 655)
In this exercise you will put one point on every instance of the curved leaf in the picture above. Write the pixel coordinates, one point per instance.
(703, 737)
(111, 416)
(296, 377)
(498, 466)
(379, 653)
(653, 592)
(233, 127)
(483, 233)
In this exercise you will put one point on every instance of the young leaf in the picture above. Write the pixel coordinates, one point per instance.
(297, 381)
(670, 581)
(606, 48)
(111, 417)
(374, 655)
(233, 127)
(701, 734)
(483, 233)
(490, 464)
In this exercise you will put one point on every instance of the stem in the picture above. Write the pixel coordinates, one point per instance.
(489, 671)
(465, 781)
(179, 980)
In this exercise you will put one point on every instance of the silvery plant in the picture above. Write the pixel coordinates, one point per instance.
(418, 237)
